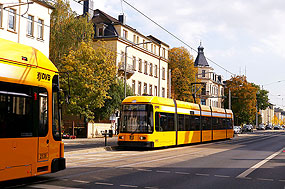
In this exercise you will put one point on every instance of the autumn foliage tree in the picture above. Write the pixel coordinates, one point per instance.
(183, 73)
(91, 73)
(243, 99)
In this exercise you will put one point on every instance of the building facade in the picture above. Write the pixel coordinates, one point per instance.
(146, 56)
(267, 115)
(26, 22)
(213, 89)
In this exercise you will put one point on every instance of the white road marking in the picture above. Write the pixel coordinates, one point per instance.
(44, 186)
(149, 187)
(264, 179)
(222, 176)
(128, 186)
(146, 170)
(182, 173)
(259, 164)
(248, 178)
(163, 171)
(103, 183)
(282, 180)
(81, 181)
(201, 174)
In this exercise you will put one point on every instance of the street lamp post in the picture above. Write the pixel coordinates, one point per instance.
(125, 76)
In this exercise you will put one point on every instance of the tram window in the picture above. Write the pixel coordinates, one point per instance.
(229, 123)
(164, 121)
(187, 123)
(224, 123)
(206, 123)
(43, 112)
(181, 124)
(16, 111)
(195, 123)
(55, 109)
(170, 122)
(215, 123)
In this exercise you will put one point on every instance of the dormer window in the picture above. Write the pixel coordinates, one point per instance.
(125, 34)
(100, 29)
(100, 32)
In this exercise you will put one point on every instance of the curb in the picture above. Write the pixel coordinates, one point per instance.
(91, 150)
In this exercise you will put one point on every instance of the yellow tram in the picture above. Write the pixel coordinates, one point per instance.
(30, 136)
(150, 121)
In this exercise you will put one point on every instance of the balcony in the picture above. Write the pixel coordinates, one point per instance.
(130, 69)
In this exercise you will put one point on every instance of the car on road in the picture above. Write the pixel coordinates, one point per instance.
(277, 127)
(237, 129)
(260, 127)
(268, 127)
(247, 128)
(65, 136)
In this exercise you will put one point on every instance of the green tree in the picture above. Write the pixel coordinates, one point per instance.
(67, 31)
(91, 73)
(116, 94)
(183, 73)
(262, 98)
(243, 98)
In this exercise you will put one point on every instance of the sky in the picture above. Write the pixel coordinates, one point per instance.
(244, 37)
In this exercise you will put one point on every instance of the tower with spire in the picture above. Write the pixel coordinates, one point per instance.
(214, 89)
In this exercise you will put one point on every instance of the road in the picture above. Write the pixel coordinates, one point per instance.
(253, 160)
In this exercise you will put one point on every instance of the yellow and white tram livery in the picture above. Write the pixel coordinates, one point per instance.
(150, 121)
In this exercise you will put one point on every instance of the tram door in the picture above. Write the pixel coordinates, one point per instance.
(43, 147)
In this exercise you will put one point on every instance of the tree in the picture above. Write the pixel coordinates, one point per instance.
(262, 98)
(67, 31)
(183, 73)
(116, 94)
(91, 73)
(243, 98)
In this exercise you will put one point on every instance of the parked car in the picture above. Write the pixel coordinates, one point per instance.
(268, 127)
(247, 128)
(278, 127)
(65, 135)
(237, 129)
(260, 127)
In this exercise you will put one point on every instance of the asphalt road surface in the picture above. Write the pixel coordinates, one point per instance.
(253, 160)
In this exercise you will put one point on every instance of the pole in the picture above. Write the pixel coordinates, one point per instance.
(125, 76)
(256, 124)
(230, 98)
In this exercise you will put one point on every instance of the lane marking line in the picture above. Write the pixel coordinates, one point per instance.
(259, 164)
(146, 170)
(248, 178)
(44, 186)
(128, 186)
(201, 174)
(104, 183)
(81, 181)
(222, 176)
(282, 180)
(264, 179)
(149, 187)
(182, 173)
(163, 171)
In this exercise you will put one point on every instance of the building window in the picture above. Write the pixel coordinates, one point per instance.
(163, 52)
(1, 15)
(134, 39)
(140, 65)
(150, 90)
(122, 57)
(40, 29)
(203, 101)
(163, 92)
(155, 71)
(134, 63)
(100, 31)
(155, 90)
(12, 19)
(145, 67)
(138, 39)
(134, 86)
(163, 73)
(154, 49)
(125, 34)
(203, 73)
(150, 69)
(151, 47)
(145, 88)
(143, 43)
(140, 88)
(30, 25)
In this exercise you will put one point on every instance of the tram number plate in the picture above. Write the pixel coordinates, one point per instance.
(132, 137)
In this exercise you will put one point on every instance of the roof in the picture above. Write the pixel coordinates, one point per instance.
(201, 59)
(157, 40)
(44, 3)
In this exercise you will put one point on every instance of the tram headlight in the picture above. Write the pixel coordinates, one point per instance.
(142, 138)
(121, 137)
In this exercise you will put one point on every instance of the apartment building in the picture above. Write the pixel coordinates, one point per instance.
(213, 89)
(146, 56)
(26, 22)
(267, 115)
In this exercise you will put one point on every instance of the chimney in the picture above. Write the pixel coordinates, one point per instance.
(122, 19)
(88, 8)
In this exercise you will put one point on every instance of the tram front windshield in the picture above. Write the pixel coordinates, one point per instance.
(137, 118)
